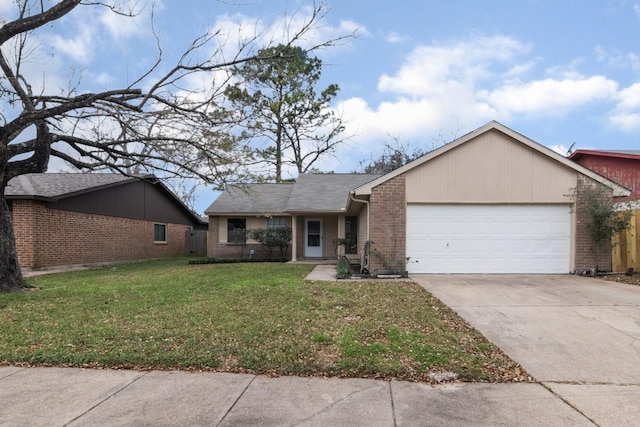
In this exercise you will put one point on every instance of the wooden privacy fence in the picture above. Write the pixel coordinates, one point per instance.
(626, 245)
(196, 243)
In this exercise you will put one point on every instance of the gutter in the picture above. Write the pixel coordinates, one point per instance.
(364, 260)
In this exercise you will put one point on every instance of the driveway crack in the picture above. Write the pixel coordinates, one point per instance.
(572, 406)
(633, 338)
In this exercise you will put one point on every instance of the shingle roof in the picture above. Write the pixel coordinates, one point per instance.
(324, 192)
(252, 198)
(310, 193)
(58, 185)
(52, 187)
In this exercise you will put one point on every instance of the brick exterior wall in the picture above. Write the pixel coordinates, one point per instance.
(387, 228)
(585, 248)
(49, 237)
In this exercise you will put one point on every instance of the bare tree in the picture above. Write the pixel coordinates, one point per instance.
(392, 157)
(164, 128)
(397, 154)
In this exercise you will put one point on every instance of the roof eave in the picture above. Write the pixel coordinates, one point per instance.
(246, 213)
(31, 197)
(316, 212)
(579, 153)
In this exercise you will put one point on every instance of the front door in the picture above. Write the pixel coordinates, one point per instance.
(313, 241)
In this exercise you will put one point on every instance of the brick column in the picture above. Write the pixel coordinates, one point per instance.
(388, 226)
(585, 248)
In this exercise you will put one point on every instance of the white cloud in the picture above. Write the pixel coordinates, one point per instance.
(626, 115)
(120, 26)
(80, 47)
(440, 87)
(238, 30)
(549, 97)
(395, 38)
(347, 27)
(617, 59)
(630, 97)
(6, 6)
(519, 70)
(435, 90)
(438, 69)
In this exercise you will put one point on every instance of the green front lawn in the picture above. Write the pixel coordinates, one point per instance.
(259, 318)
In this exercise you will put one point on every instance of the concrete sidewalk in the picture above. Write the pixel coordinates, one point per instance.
(323, 272)
(87, 397)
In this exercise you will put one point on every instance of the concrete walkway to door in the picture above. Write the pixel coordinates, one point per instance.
(579, 337)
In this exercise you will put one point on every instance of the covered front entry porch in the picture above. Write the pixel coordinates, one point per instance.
(323, 237)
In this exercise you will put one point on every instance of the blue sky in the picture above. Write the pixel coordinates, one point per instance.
(423, 72)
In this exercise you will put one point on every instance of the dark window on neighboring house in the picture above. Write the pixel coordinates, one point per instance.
(160, 233)
(237, 230)
(351, 234)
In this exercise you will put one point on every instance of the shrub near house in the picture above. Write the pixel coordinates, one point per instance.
(271, 238)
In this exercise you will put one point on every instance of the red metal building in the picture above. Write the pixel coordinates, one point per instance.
(621, 166)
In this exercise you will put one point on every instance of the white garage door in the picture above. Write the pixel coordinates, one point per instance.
(488, 238)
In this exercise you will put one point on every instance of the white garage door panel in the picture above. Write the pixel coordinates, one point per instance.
(488, 238)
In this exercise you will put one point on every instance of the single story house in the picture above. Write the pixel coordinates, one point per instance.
(318, 207)
(72, 218)
(492, 201)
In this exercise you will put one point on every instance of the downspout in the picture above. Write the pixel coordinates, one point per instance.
(364, 264)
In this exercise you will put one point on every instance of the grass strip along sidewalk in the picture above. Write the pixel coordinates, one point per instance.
(257, 318)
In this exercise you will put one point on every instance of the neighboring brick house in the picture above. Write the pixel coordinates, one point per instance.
(71, 219)
(492, 201)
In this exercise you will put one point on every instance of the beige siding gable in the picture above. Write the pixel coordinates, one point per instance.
(491, 168)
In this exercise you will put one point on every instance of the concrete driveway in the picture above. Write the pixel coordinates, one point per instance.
(579, 337)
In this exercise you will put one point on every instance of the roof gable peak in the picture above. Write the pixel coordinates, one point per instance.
(492, 126)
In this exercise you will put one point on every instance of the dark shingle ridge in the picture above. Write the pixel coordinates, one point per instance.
(58, 185)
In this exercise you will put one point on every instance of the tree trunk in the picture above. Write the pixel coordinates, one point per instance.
(10, 273)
